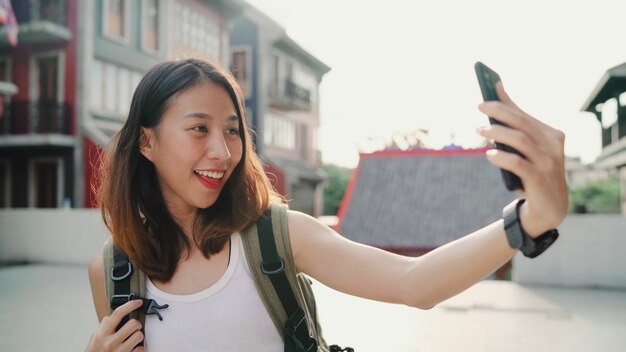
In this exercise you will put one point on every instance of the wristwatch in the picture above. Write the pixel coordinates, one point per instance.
(518, 238)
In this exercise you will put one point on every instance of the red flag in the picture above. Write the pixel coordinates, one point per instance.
(7, 17)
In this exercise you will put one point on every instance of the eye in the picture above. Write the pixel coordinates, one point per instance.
(233, 131)
(200, 128)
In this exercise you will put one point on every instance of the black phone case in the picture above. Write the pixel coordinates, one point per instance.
(487, 79)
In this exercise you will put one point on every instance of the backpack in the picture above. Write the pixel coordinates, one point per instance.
(286, 293)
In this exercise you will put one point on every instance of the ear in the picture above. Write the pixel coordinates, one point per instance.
(146, 142)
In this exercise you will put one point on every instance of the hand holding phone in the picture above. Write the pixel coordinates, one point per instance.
(487, 79)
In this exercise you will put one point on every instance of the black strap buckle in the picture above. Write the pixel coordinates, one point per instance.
(310, 345)
(118, 300)
(149, 306)
(120, 277)
(152, 308)
(278, 270)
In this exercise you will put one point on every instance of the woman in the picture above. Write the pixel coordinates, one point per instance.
(183, 179)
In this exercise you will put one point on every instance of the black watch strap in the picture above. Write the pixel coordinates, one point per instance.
(518, 238)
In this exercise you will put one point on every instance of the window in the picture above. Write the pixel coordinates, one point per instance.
(293, 80)
(241, 69)
(115, 18)
(110, 80)
(47, 112)
(45, 182)
(4, 70)
(112, 88)
(304, 79)
(280, 132)
(197, 31)
(123, 94)
(304, 143)
(96, 93)
(5, 184)
(150, 33)
(135, 78)
(5, 101)
(275, 75)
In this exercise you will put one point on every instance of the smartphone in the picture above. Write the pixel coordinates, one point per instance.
(487, 79)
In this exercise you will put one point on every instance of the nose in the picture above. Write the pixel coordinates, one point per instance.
(217, 149)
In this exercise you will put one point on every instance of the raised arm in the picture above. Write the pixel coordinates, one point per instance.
(430, 279)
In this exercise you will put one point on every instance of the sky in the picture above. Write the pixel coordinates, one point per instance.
(400, 66)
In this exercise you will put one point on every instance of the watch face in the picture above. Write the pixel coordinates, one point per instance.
(511, 226)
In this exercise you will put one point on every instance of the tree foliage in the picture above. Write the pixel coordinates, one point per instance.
(596, 197)
(337, 179)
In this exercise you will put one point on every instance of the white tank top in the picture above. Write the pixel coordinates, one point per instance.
(227, 316)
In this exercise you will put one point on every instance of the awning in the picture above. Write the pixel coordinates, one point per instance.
(611, 85)
(298, 170)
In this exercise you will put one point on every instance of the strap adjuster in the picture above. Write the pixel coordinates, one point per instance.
(280, 268)
(293, 324)
(294, 321)
(129, 270)
(311, 345)
(118, 300)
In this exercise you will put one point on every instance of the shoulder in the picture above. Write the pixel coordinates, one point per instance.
(301, 224)
(98, 286)
(96, 267)
(306, 235)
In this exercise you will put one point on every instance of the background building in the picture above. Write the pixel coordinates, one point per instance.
(122, 40)
(608, 103)
(39, 148)
(281, 83)
(77, 65)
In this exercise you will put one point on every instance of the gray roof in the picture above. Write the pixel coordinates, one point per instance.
(422, 199)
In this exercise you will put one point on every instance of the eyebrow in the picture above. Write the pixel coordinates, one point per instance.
(209, 117)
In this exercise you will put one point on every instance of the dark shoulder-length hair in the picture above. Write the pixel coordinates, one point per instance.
(129, 196)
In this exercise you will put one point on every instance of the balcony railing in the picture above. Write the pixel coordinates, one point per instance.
(294, 97)
(294, 91)
(42, 10)
(42, 21)
(36, 117)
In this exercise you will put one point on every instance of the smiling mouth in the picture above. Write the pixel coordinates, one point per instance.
(210, 179)
(210, 174)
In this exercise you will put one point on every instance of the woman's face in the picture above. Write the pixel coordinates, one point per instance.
(195, 147)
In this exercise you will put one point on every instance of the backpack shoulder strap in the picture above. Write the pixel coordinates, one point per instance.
(268, 249)
(252, 249)
(124, 281)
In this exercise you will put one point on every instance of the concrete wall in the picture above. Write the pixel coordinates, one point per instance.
(591, 252)
(58, 236)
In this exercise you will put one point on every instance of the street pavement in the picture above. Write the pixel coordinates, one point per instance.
(49, 308)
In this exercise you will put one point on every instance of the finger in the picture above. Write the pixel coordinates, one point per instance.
(131, 343)
(138, 349)
(511, 162)
(506, 99)
(504, 96)
(511, 116)
(120, 312)
(127, 330)
(519, 140)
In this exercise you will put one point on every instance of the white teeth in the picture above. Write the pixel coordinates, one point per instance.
(211, 174)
